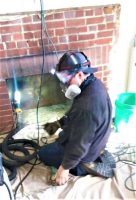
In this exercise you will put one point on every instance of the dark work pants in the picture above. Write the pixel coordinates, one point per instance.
(52, 155)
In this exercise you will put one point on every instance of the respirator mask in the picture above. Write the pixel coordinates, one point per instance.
(70, 91)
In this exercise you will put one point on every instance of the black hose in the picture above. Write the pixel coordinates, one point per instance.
(7, 162)
(11, 165)
(25, 142)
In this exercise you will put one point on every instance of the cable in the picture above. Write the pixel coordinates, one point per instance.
(124, 151)
(39, 95)
(130, 189)
(10, 196)
(42, 70)
(15, 193)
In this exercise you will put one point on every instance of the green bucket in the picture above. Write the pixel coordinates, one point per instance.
(125, 111)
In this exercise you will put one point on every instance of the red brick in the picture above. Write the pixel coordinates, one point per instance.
(4, 101)
(58, 15)
(63, 39)
(4, 96)
(92, 28)
(79, 13)
(98, 56)
(76, 30)
(17, 36)
(10, 22)
(70, 14)
(103, 41)
(72, 38)
(91, 55)
(5, 107)
(101, 26)
(10, 29)
(5, 112)
(104, 54)
(28, 35)
(36, 18)
(2, 83)
(3, 90)
(55, 24)
(86, 37)
(98, 11)
(110, 18)
(16, 52)
(32, 27)
(6, 38)
(59, 32)
(62, 47)
(75, 22)
(6, 118)
(105, 34)
(2, 54)
(27, 19)
(89, 12)
(7, 128)
(51, 32)
(49, 17)
(36, 34)
(32, 43)
(81, 45)
(35, 50)
(22, 44)
(1, 46)
(54, 39)
(11, 45)
(4, 23)
(110, 25)
(81, 29)
(96, 20)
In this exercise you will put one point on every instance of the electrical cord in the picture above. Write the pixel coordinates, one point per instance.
(39, 95)
(10, 196)
(122, 152)
(17, 187)
(130, 189)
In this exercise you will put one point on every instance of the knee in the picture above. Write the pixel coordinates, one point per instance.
(41, 153)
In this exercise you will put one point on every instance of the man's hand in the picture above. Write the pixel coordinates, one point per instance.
(62, 176)
(51, 127)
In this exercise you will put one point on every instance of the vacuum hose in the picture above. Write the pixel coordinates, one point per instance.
(11, 161)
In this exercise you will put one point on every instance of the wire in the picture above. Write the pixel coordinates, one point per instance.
(15, 193)
(39, 95)
(130, 189)
(10, 196)
(126, 151)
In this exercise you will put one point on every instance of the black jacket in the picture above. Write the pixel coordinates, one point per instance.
(87, 124)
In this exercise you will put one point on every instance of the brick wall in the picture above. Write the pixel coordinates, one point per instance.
(93, 30)
(6, 114)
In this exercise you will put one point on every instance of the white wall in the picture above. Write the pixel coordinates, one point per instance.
(121, 54)
(14, 6)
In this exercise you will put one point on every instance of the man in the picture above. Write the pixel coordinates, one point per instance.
(79, 150)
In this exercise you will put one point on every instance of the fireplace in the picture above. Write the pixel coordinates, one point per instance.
(92, 29)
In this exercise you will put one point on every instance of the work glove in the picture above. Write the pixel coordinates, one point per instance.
(51, 127)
